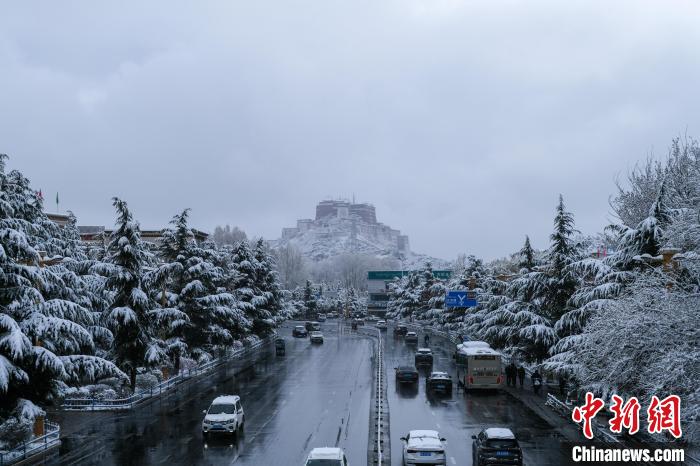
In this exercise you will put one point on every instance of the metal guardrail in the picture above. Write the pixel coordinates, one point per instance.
(380, 395)
(379, 389)
(34, 446)
(91, 404)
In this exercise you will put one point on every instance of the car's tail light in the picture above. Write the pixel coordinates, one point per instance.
(498, 379)
(471, 380)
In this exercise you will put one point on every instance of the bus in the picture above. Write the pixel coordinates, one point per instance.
(460, 357)
(482, 368)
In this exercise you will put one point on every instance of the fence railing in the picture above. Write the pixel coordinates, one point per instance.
(33, 446)
(91, 404)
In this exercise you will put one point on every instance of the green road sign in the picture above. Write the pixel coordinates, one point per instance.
(392, 274)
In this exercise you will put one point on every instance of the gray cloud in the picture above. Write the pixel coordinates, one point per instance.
(460, 121)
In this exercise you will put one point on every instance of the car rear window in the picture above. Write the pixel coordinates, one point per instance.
(323, 463)
(501, 443)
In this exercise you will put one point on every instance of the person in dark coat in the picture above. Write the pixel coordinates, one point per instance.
(562, 384)
(510, 374)
(521, 375)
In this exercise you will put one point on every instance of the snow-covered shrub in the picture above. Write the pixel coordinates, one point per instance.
(18, 426)
(647, 343)
(146, 381)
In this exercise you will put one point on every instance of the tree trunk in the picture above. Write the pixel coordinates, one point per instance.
(176, 363)
(132, 378)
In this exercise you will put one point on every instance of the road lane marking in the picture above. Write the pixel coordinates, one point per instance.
(438, 425)
(453, 460)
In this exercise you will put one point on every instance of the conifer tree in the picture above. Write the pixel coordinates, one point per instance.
(134, 345)
(45, 341)
(527, 255)
(309, 300)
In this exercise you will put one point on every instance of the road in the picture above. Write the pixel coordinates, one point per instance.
(316, 395)
(462, 415)
(313, 396)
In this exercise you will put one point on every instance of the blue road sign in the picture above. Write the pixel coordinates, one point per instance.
(460, 298)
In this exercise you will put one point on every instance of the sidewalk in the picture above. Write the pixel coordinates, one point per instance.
(536, 403)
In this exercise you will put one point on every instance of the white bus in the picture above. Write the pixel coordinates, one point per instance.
(482, 368)
(460, 357)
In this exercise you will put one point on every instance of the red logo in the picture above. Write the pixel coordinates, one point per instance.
(665, 415)
(626, 415)
(587, 412)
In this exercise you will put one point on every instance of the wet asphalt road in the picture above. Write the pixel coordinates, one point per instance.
(316, 395)
(459, 417)
(313, 396)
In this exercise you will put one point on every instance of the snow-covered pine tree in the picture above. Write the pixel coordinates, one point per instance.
(128, 317)
(527, 255)
(250, 300)
(405, 297)
(268, 301)
(44, 342)
(165, 283)
(309, 300)
(560, 284)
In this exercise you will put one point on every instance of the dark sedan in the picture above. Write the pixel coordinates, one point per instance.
(439, 382)
(406, 374)
(424, 357)
(496, 445)
(400, 330)
(300, 332)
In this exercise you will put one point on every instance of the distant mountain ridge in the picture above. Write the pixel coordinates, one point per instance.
(344, 227)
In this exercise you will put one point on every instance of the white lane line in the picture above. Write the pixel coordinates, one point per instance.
(432, 412)
(453, 460)
(438, 425)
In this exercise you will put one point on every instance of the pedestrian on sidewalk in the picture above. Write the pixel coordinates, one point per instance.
(562, 384)
(521, 375)
(510, 374)
(536, 381)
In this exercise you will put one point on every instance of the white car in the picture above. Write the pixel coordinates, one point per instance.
(326, 457)
(423, 447)
(316, 337)
(381, 325)
(225, 415)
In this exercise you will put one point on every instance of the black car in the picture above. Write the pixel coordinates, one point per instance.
(406, 374)
(496, 445)
(309, 326)
(424, 357)
(300, 332)
(400, 330)
(439, 382)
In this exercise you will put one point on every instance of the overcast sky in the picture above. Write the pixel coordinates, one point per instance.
(460, 121)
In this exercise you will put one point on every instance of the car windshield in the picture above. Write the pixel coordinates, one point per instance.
(222, 409)
(299, 327)
(501, 443)
(323, 463)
